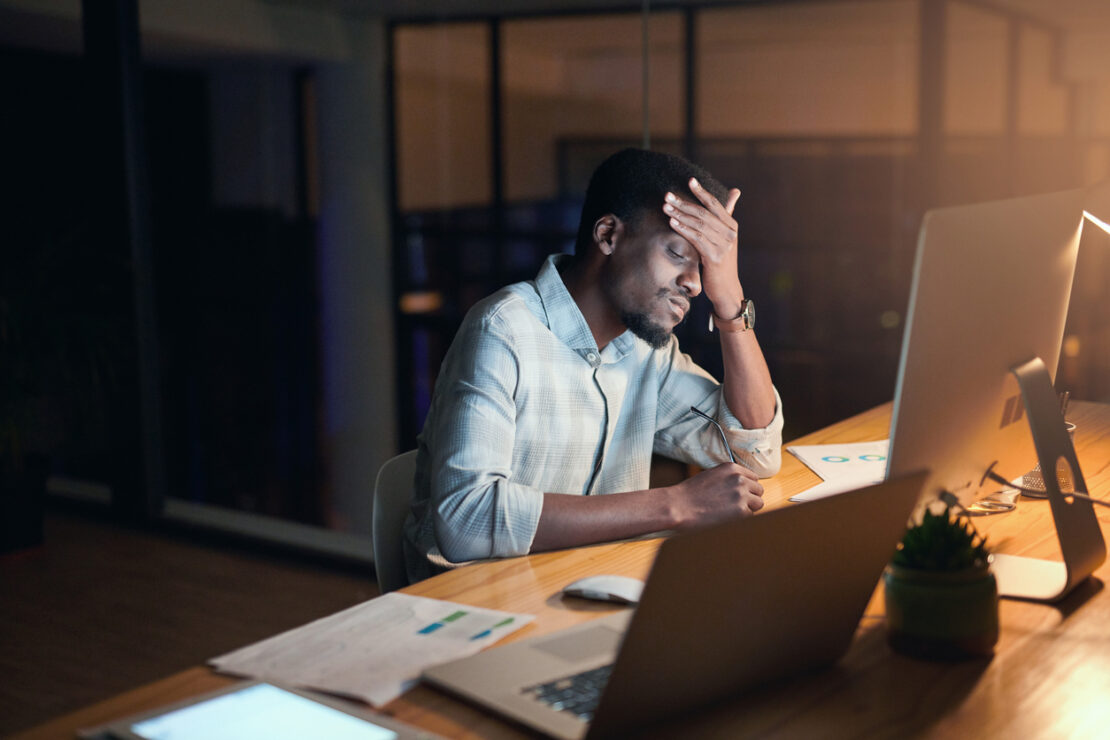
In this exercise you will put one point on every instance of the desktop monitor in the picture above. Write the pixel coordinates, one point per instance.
(991, 285)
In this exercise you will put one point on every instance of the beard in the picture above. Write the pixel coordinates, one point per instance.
(646, 329)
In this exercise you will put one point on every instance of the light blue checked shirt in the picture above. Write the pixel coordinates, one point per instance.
(525, 403)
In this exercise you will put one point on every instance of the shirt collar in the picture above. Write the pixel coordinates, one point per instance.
(565, 319)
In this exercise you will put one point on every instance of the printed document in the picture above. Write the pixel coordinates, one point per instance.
(842, 467)
(374, 651)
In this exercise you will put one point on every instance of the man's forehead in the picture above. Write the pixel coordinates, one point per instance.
(651, 219)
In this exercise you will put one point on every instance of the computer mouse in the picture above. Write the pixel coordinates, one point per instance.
(618, 589)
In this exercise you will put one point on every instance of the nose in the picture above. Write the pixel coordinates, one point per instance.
(690, 280)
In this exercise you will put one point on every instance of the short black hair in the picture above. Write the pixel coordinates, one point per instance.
(633, 182)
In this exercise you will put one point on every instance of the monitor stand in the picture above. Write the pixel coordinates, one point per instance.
(1077, 526)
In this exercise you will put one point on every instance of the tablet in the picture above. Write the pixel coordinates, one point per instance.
(256, 709)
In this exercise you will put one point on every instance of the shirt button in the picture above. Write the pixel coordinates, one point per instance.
(592, 357)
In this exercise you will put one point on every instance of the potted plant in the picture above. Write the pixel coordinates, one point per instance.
(941, 596)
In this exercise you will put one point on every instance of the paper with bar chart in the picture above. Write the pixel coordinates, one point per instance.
(374, 651)
(842, 467)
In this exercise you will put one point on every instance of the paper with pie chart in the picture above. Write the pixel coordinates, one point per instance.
(842, 467)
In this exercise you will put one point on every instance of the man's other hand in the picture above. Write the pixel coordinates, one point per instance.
(719, 493)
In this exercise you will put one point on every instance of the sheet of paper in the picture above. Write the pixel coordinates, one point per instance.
(374, 651)
(831, 488)
(842, 467)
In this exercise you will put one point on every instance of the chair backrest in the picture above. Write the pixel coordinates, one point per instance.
(392, 496)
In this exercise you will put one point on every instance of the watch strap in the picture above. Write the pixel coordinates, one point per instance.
(738, 324)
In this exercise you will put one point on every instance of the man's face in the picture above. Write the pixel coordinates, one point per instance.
(650, 278)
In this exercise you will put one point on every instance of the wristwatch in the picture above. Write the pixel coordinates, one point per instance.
(744, 320)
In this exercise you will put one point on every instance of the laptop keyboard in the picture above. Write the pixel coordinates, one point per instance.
(577, 694)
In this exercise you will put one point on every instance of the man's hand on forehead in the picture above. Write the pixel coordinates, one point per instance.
(706, 224)
(710, 228)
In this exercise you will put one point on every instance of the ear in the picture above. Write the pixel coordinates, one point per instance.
(606, 231)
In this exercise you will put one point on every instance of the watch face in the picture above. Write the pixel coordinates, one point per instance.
(749, 313)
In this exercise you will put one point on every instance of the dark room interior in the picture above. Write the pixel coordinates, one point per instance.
(239, 238)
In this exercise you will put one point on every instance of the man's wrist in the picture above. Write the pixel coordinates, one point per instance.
(674, 515)
(728, 310)
(727, 302)
(742, 319)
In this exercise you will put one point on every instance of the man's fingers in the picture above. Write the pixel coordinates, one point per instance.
(754, 487)
(709, 246)
(695, 218)
(689, 233)
(708, 199)
(746, 472)
(676, 206)
(717, 219)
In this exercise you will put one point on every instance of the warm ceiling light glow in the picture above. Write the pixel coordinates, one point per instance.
(1097, 221)
(1072, 346)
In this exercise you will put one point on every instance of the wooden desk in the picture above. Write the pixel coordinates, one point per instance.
(1050, 675)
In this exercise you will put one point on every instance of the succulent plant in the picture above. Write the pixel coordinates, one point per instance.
(941, 542)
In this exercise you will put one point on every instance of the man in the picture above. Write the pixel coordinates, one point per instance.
(556, 391)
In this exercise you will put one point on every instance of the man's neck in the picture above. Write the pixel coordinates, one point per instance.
(583, 283)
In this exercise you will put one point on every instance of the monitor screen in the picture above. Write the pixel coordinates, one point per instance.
(990, 290)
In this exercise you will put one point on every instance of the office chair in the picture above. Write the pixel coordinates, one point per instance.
(392, 496)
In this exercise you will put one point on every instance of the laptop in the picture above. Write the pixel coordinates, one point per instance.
(799, 576)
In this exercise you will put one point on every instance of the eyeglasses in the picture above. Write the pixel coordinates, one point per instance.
(720, 431)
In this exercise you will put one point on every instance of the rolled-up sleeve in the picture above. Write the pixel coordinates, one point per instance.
(683, 435)
(478, 510)
(760, 450)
